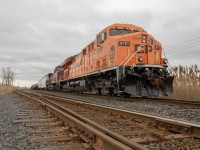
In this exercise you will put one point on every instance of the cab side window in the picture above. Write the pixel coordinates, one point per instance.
(101, 38)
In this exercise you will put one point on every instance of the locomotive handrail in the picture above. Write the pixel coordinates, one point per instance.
(128, 60)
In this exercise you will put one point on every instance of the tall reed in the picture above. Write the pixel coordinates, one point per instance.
(186, 82)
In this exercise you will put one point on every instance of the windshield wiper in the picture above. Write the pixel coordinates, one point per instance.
(135, 31)
(119, 30)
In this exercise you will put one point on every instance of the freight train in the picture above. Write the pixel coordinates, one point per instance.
(122, 60)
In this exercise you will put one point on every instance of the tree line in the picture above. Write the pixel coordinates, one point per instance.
(7, 75)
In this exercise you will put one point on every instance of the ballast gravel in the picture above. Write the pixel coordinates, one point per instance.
(15, 136)
(12, 136)
(172, 111)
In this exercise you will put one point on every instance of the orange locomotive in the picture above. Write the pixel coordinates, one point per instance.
(123, 60)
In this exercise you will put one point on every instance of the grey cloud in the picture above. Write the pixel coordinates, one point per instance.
(37, 35)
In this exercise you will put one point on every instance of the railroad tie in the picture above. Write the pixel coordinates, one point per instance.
(64, 138)
(34, 120)
(83, 146)
(43, 124)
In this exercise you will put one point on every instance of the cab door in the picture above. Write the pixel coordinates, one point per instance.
(150, 55)
(156, 57)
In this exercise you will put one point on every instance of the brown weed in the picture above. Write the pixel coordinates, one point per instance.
(186, 82)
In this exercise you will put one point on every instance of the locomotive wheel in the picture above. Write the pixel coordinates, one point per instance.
(111, 93)
(145, 97)
(125, 95)
(98, 91)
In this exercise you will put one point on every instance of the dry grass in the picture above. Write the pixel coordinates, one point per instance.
(7, 88)
(186, 82)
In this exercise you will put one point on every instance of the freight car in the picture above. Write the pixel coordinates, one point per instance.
(54, 78)
(123, 60)
(42, 84)
(34, 86)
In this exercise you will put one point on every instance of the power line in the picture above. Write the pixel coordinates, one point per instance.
(178, 58)
(185, 55)
(183, 42)
(185, 52)
(182, 49)
(194, 53)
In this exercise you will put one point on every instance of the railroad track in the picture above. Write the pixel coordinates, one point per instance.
(178, 110)
(44, 127)
(123, 129)
(194, 103)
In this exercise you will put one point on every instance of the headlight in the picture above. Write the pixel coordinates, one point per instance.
(157, 47)
(140, 59)
(165, 61)
(124, 43)
(144, 38)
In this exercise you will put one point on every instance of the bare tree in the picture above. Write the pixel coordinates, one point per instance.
(3, 75)
(12, 77)
(8, 75)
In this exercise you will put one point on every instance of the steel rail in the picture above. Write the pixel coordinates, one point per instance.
(148, 99)
(115, 140)
(193, 129)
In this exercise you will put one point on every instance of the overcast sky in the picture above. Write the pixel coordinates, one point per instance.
(37, 35)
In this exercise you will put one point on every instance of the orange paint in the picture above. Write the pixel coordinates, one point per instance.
(110, 53)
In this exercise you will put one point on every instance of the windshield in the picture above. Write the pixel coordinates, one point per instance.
(119, 31)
